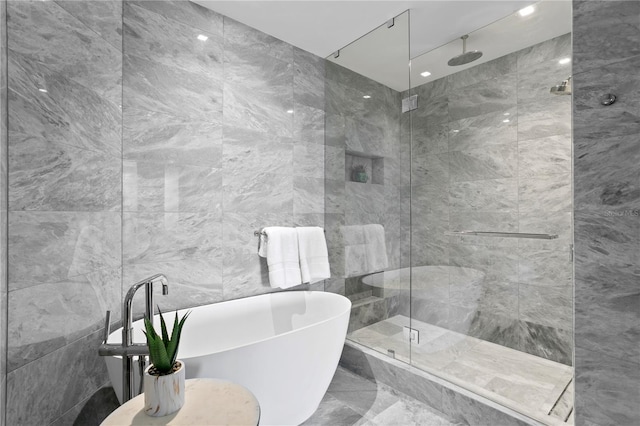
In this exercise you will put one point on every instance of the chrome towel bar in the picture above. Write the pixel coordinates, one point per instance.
(502, 234)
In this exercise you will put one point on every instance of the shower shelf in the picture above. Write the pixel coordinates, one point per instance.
(502, 234)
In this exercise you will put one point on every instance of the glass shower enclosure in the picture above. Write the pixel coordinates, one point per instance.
(449, 200)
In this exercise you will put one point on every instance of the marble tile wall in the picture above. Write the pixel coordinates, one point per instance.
(606, 49)
(136, 148)
(358, 130)
(64, 195)
(3, 210)
(492, 152)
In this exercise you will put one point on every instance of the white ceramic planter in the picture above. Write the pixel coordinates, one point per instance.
(163, 395)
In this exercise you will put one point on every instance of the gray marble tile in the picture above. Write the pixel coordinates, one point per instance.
(238, 227)
(544, 267)
(62, 177)
(188, 13)
(492, 162)
(92, 410)
(152, 86)
(148, 187)
(192, 282)
(484, 195)
(551, 343)
(430, 90)
(430, 112)
(610, 28)
(49, 316)
(592, 120)
(247, 42)
(51, 388)
(64, 245)
(308, 124)
(606, 389)
(480, 131)
(308, 79)
(307, 160)
(604, 305)
(103, 17)
(334, 163)
(245, 274)
(273, 192)
(431, 140)
(335, 130)
(542, 118)
(608, 174)
(366, 138)
(333, 411)
(167, 139)
(308, 195)
(535, 81)
(559, 223)
(499, 329)
(76, 52)
(489, 296)
(248, 153)
(411, 413)
(550, 50)
(545, 156)
(430, 171)
(483, 97)
(550, 306)
(483, 221)
(180, 46)
(192, 236)
(258, 92)
(65, 113)
(492, 70)
(364, 203)
(545, 194)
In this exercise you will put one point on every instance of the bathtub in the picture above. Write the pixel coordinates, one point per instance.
(283, 346)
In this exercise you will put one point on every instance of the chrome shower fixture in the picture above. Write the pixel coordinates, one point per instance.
(465, 57)
(563, 88)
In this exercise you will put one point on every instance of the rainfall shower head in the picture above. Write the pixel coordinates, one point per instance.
(465, 57)
(563, 88)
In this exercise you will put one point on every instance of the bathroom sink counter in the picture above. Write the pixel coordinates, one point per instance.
(207, 402)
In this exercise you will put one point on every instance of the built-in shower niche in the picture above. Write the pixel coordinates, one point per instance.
(373, 165)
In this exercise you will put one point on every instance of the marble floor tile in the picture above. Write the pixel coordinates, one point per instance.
(354, 400)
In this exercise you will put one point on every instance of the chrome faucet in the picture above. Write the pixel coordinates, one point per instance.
(127, 349)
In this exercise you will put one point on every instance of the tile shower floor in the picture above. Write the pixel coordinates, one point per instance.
(355, 401)
(534, 386)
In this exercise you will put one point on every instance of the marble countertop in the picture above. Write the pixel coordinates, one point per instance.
(207, 402)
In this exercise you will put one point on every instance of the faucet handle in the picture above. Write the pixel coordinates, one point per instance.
(107, 327)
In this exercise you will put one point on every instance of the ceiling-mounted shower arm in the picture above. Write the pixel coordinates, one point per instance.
(464, 43)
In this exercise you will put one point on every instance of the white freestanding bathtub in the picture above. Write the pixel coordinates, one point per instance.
(284, 347)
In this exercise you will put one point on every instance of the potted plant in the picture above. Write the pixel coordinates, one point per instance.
(164, 378)
(359, 173)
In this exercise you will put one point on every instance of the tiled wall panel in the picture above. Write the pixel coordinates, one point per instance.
(606, 50)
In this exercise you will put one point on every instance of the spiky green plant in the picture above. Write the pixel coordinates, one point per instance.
(164, 350)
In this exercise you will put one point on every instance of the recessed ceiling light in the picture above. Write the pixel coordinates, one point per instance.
(506, 121)
(367, 96)
(455, 131)
(43, 90)
(526, 11)
(507, 113)
(203, 37)
(564, 61)
(425, 74)
(290, 111)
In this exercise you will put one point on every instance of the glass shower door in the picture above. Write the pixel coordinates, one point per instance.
(367, 174)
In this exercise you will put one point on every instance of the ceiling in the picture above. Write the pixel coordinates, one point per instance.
(323, 27)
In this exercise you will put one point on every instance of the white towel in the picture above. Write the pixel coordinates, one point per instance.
(280, 246)
(314, 258)
(376, 248)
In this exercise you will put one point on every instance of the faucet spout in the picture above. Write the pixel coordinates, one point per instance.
(127, 327)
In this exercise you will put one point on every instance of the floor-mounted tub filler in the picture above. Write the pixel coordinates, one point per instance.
(284, 347)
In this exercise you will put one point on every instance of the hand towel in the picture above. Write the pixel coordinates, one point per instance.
(280, 246)
(376, 248)
(314, 258)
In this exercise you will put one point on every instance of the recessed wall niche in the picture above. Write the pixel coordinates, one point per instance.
(374, 167)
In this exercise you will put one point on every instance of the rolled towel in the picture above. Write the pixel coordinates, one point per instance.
(314, 257)
(280, 246)
(376, 248)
